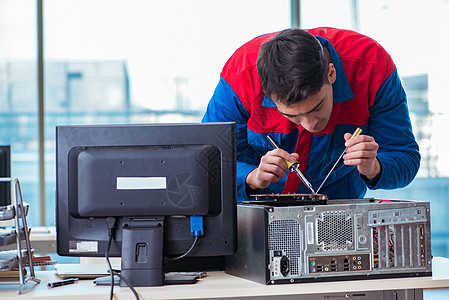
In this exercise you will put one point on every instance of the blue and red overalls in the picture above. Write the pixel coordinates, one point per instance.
(367, 93)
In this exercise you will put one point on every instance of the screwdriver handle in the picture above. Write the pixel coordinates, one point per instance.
(357, 132)
(276, 145)
(290, 164)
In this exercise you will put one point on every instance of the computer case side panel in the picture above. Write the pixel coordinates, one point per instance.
(251, 258)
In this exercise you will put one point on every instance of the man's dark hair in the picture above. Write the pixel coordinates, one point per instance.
(292, 66)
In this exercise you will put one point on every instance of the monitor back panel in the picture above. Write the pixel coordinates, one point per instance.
(344, 240)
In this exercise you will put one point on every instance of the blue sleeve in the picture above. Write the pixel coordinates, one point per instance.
(390, 125)
(225, 106)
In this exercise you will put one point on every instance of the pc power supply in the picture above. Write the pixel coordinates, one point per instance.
(286, 242)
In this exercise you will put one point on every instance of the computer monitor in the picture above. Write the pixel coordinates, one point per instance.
(157, 183)
(5, 171)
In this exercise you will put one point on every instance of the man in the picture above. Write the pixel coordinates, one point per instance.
(310, 90)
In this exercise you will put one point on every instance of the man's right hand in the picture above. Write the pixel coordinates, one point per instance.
(272, 167)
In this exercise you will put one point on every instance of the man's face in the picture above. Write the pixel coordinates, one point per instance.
(312, 113)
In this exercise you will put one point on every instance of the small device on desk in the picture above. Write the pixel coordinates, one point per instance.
(148, 193)
(82, 271)
(62, 282)
(344, 239)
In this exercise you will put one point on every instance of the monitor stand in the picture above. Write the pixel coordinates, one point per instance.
(142, 251)
(142, 255)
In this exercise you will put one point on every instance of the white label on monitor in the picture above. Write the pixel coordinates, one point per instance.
(84, 247)
(141, 183)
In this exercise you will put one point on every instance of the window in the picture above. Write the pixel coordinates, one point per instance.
(18, 95)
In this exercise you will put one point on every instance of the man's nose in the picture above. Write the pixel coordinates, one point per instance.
(309, 123)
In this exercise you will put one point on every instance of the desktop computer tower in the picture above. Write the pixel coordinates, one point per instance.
(286, 242)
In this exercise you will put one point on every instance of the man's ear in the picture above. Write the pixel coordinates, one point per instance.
(331, 73)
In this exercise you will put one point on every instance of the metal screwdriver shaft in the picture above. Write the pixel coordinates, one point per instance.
(356, 133)
(292, 166)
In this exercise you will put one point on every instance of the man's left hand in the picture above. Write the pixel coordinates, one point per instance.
(362, 152)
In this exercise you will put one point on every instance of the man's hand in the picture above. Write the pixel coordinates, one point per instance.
(272, 167)
(362, 152)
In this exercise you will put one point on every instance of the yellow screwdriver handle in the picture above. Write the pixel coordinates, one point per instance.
(357, 132)
(276, 145)
(289, 163)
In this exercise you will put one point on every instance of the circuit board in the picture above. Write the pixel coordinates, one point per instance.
(288, 199)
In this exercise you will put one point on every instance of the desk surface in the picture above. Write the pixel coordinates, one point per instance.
(220, 285)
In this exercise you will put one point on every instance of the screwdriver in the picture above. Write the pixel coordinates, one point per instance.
(356, 133)
(292, 166)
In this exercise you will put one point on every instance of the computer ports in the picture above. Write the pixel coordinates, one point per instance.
(339, 263)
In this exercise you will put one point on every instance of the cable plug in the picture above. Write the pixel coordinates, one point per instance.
(196, 225)
(110, 222)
